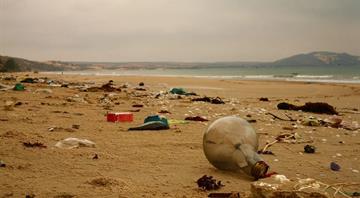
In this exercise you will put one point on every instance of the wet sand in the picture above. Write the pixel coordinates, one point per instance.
(162, 163)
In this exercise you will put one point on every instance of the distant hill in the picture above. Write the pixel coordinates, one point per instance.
(10, 64)
(319, 59)
(311, 59)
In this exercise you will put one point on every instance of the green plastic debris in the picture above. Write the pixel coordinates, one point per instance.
(154, 122)
(181, 91)
(19, 87)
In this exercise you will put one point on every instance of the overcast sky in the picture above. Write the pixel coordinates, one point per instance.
(176, 30)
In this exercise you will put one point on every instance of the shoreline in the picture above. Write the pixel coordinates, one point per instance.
(300, 78)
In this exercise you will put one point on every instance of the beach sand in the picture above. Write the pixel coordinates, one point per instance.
(163, 163)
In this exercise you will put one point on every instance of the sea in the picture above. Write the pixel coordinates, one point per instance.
(325, 74)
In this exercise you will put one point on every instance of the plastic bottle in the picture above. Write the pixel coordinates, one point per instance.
(230, 143)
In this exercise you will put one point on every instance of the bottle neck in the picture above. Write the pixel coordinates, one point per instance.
(259, 169)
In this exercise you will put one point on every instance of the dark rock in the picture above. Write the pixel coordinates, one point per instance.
(309, 149)
(196, 118)
(264, 99)
(334, 166)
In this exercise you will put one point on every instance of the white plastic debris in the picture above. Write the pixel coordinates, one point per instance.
(70, 143)
(281, 178)
(45, 91)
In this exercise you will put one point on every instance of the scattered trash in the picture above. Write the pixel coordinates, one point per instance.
(173, 121)
(30, 195)
(224, 195)
(267, 152)
(230, 143)
(334, 166)
(120, 117)
(208, 183)
(4, 87)
(155, 122)
(134, 110)
(309, 149)
(18, 104)
(314, 107)
(305, 188)
(333, 121)
(197, 118)
(55, 128)
(293, 138)
(283, 119)
(181, 91)
(33, 145)
(251, 120)
(264, 99)
(75, 126)
(281, 178)
(2, 164)
(30, 80)
(311, 121)
(139, 89)
(70, 143)
(164, 111)
(108, 87)
(76, 98)
(216, 100)
(19, 87)
(9, 106)
(45, 91)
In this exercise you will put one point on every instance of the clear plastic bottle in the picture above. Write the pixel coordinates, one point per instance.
(230, 143)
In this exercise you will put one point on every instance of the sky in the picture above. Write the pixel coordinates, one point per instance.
(176, 30)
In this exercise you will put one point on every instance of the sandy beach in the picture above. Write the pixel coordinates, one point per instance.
(164, 163)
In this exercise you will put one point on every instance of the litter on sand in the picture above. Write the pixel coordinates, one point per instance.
(211, 100)
(208, 183)
(34, 144)
(230, 143)
(314, 107)
(309, 149)
(19, 87)
(154, 122)
(333, 122)
(276, 186)
(70, 143)
(196, 118)
(181, 91)
(108, 87)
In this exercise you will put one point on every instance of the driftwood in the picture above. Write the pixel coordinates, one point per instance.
(277, 117)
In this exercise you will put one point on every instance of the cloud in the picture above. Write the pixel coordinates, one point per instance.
(186, 30)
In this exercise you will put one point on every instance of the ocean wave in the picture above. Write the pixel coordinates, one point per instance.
(280, 77)
(314, 76)
(259, 76)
